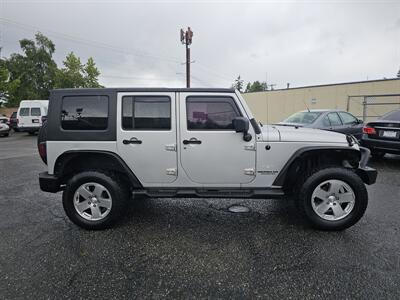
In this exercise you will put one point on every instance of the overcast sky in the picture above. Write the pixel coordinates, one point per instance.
(136, 43)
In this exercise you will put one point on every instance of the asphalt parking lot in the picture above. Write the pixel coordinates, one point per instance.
(191, 248)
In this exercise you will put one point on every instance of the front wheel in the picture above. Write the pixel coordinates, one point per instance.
(95, 200)
(333, 199)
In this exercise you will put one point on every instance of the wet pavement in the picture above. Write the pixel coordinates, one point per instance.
(187, 248)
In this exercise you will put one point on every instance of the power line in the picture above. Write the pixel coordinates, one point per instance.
(133, 52)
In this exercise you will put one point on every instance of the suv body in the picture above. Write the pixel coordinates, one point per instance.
(108, 143)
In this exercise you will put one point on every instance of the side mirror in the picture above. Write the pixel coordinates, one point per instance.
(359, 121)
(241, 124)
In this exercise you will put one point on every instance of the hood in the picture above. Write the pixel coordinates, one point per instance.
(301, 134)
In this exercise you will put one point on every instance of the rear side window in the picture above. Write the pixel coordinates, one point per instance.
(334, 119)
(146, 113)
(35, 111)
(84, 113)
(24, 111)
(211, 113)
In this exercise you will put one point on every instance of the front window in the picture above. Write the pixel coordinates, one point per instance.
(347, 118)
(210, 113)
(303, 117)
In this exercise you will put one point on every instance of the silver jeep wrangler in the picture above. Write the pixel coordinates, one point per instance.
(103, 146)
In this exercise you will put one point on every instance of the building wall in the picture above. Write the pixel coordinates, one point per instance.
(275, 106)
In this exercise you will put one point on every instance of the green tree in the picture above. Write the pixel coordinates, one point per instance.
(74, 74)
(256, 86)
(35, 69)
(71, 75)
(91, 74)
(238, 84)
(8, 87)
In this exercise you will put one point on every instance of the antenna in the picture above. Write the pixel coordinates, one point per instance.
(305, 104)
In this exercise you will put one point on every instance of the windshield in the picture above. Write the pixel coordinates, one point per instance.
(303, 117)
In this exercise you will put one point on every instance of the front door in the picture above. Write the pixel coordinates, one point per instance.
(146, 136)
(211, 152)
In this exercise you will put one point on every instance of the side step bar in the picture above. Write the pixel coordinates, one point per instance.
(274, 193)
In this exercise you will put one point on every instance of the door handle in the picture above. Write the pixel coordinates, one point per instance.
(132, 141)
(192, 141)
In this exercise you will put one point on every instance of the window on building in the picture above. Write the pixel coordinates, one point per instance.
(84, 113)
(146, 113)
(211, 113)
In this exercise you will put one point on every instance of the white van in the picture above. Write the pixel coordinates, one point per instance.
(30, 113)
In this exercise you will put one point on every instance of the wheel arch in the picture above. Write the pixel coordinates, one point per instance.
(309, 158)
(71, 162)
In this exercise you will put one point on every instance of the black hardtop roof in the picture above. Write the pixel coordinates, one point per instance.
(121, 90)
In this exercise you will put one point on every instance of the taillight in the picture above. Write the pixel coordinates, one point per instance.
(369, 130)
(43, 152)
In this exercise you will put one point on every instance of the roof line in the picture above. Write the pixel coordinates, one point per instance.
(329, 84)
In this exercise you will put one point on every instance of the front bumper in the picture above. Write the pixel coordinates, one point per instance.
(49, 183)
(367, 174)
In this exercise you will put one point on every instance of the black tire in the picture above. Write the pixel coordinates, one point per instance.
(377, 154)
(345, 175)
(31, 132)
(118, 190)
(16, 129)
(6, 134)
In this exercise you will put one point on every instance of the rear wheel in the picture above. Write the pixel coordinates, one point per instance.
(333, 199)
(95, 200)
(31, 132)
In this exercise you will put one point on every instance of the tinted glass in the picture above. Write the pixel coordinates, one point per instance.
(347, 118)
(35, 111)
(146, 113)
(84, 112)
(334, 119)
(24, 112)
(325, 122)
(211, 113)
(393, 116)
(13, 115)
(307, 117)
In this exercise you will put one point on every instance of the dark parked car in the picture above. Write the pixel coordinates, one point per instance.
(383, 135)
(13, 121)
(327, 119)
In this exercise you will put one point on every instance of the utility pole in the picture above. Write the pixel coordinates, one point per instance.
(186, 39)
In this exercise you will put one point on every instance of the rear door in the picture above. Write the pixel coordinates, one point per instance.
(146, 136)
(24, 116)
(211, 152)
